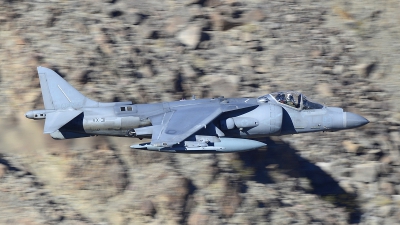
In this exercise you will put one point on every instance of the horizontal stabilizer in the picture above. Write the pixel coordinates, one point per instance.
(56, 120)
(61, 135)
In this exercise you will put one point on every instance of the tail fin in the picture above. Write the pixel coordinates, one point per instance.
(58, 94)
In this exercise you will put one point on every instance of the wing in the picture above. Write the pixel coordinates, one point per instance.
(179, 123)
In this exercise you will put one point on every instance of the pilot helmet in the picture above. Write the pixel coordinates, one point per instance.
(280, 97)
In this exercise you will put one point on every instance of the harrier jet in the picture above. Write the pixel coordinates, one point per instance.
(186, 126)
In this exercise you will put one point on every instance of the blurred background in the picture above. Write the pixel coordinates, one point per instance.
(341, 53)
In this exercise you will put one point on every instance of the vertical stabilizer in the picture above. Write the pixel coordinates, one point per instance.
(58, 94)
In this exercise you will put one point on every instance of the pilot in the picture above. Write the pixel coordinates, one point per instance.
(290, 100)
(281, 98)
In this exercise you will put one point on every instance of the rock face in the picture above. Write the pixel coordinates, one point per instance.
(149, 51)
(190, 36)
(367, 172)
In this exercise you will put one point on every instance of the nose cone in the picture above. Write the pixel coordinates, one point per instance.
(353, 120)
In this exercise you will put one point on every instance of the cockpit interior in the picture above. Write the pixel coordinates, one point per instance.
(291, 98)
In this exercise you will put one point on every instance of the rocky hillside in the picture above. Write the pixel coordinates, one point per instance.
(341, 53)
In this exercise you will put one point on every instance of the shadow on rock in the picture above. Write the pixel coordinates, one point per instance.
(189, 202)
(8, 166)
(282, 157)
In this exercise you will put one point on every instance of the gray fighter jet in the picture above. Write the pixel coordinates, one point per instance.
(186, 126)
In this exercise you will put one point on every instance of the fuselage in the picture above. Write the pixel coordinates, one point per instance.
(268, 118)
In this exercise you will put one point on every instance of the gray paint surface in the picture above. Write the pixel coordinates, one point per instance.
(186, 126)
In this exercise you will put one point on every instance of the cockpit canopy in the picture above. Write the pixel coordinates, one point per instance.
(293, 99)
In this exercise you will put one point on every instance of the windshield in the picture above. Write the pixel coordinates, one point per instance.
(294, 99)
(307, 104)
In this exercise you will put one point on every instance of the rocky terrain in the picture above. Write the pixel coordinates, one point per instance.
(341, 53)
